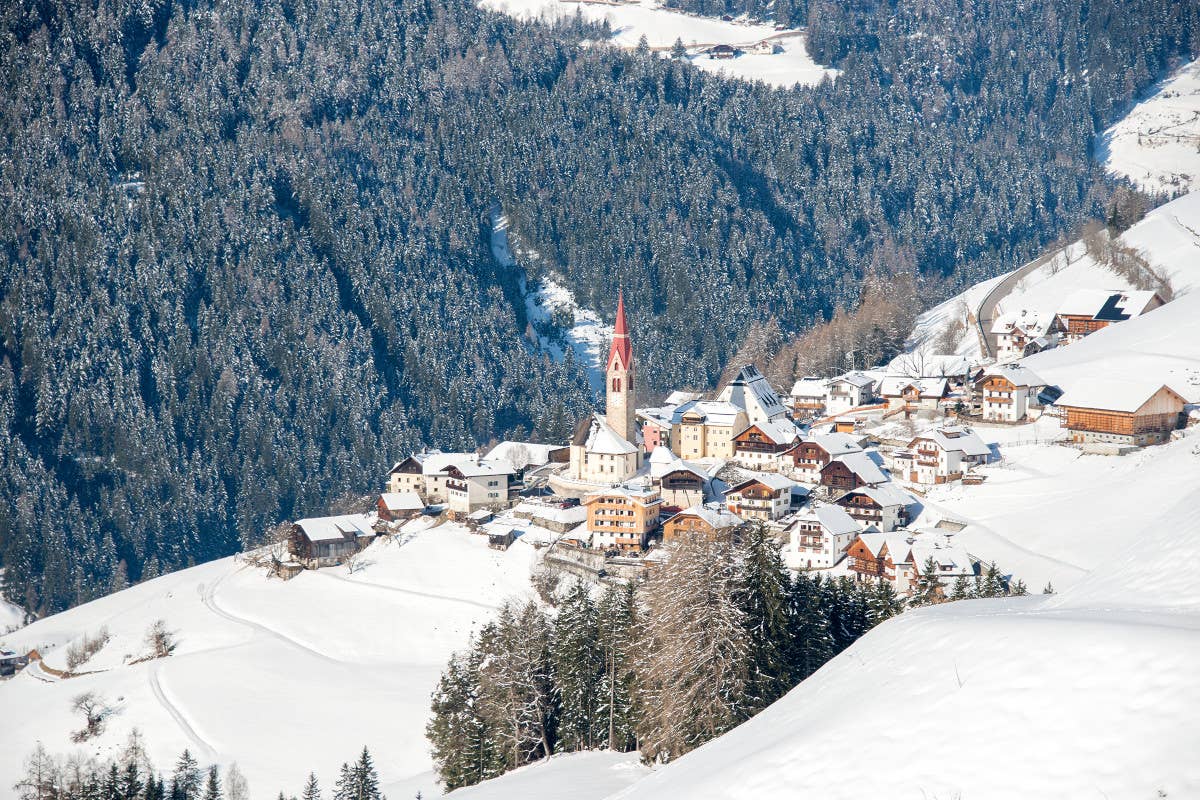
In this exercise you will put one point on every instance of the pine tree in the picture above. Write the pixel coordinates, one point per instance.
(312, 790)
(463, 744)
(962, 589)
(617, 629)
(883, 603)
(1019, 589)
(812, 644)
(364, 780)
(212, 788)
(762, 590)
(678, 50)
(579, 671)
(185, 783)
(993, 582)
(928, 588)
(1049, 588)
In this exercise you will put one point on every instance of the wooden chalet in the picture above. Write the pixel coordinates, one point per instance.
(885, 506)
(1119, 412)
(766, 497)
(806, 459)
(1089, 310)
(327, 541)
(851, 471)
(721, 51)
(760, 445)
(701, 522)
(399, 506)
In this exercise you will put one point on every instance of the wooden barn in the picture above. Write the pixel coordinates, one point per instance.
(399, 506)
(1120, 412)
(327, 541)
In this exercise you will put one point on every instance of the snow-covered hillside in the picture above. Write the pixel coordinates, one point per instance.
(579, 776)
(588, 335)
(1157, 145)
(789, 65)
(281, 677)
(1168, 238)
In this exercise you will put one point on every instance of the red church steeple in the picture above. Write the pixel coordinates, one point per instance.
(621, 348)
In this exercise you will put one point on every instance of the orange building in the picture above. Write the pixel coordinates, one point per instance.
(622, 518)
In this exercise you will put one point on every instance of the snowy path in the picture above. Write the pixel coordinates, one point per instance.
(205, 751)
(208, 595)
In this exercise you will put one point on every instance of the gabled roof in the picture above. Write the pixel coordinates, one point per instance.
(480, 469)
(678, 398)
(750, 391)
(1107, 304)
(857, 379)
(526, 453)
(894, 386)
(835, 444)
(716, 516)
(1031, 322)
(1016, 375)
(951, 438)
(864, 465)
(885, 494)
(833, 519)
(782, 431)
(329, 529)
(713, 412)
(1113, 394)
(895, 544)
(402, 501)
(809, 386)
(599, 437)
(663, 462)
(772, 480)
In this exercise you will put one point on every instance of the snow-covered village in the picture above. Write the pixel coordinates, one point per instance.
(599, 399)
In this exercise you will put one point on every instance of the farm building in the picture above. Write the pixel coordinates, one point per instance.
(1121, 412)
(327, 541)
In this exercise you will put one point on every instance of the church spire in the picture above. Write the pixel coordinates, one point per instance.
(621, 346)
(619, 410)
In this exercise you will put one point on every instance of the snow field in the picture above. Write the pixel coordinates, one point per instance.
(1157, 145)
(282, 677)
(662, 26)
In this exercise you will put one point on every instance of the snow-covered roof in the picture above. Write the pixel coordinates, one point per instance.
(715, 515)
(659, 415)
(772, 480)
(327, 529)
(894, 385)
(713, 412)
(601, 438)
(1106, 304)
(857, 379)
(1016, 375)
(779, 431)
(478, 469)
(402, 501)
(833, 519)
(897, 543)
(750, 390)
(836, 444)
(953, 437)
(951, 559)
(643, 495)
(437, 463)
(865, 465)
(885, 494)
(662, 462)
(809, 386)
(1032, 322)
(1112, 394)
(523, 454)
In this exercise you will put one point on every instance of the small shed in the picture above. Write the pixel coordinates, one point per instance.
(501, 538)
(479, 518)
(10, 662)
(400, 506)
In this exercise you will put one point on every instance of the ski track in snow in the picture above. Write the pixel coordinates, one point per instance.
(206, 750)
(208, 597)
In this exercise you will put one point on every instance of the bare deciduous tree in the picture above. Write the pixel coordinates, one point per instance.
(95, 710)
(161, 640)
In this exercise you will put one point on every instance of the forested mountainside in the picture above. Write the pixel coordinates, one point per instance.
(244, 250)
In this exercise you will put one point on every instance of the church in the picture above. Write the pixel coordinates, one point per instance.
(607, 447)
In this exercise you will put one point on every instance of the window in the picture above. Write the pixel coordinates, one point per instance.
(616, 384)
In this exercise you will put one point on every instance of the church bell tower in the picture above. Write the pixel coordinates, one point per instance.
(619, 407)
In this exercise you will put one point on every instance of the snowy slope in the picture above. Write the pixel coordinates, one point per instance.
(1168, 238)
(588, 338)
(282, 677)
(662, 26)
(1157, 145)
(579, 776)
(1087, 694)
